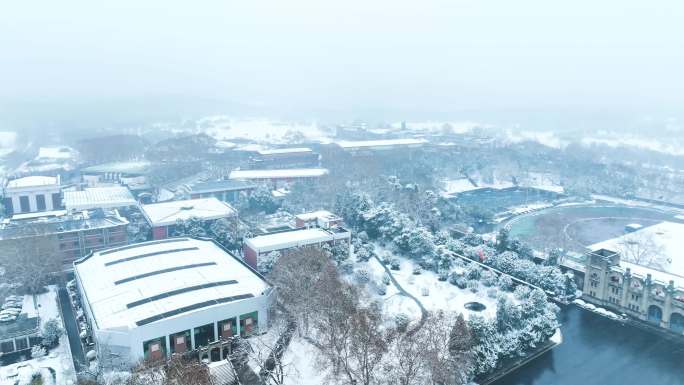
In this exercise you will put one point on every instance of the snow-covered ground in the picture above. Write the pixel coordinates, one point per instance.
(59, 359)
(300, 360)
(441, 294)
(224, 128)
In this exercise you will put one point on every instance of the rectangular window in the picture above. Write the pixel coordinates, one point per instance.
(154, 349)
(9, 207)
(40, 202)
(56, 201)
(227, 328)
(6, 347)
(204, 335)
(180, 342)
(249, 324)
(24, 204)
(21, 343)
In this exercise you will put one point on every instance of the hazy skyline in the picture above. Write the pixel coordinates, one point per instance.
(303, 56)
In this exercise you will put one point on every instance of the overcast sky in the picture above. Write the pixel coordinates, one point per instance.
(417, 55)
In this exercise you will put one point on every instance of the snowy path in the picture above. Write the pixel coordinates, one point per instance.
(402, 291)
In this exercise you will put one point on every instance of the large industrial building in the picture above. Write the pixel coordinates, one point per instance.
(152, 299)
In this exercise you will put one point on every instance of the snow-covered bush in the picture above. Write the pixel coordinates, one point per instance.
(380, 288)
(52, 331)
(492, 292)
(424, 291)
(521, 292)
(458, 280)
(361, 276)
(473, 285)
(386, 259)
(473, 271)
(489, 278)
(395, 264)
(38, 351)
(347, 268)
(443, 275)
(417, 270)
(386, 279)
(266, 262)
(401, 320)
(506, 283)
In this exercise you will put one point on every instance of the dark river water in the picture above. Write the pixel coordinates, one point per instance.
(598, 351)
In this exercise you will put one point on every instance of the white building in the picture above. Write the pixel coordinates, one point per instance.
(98, 197)
(283, 241)
(277, 176)
(32, 194)
(381, 144)
(152, 299)
(321, 218)
(162, 217)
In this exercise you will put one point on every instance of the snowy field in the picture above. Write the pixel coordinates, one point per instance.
(58, 359)
(224, 128)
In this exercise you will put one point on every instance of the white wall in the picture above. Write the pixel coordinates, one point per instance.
(132, 340)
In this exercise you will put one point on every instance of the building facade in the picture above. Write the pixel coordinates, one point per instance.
(19, 335)
(640, 292)
(32, 194)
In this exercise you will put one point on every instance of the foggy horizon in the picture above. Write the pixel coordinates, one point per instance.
(308, 60)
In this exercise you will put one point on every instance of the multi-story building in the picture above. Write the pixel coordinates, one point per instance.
(163, 217)
(32, 194)
(641, 292)
(72, 236)
(150, 300)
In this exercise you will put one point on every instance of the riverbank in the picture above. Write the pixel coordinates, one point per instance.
(515, 364)
(600, 351)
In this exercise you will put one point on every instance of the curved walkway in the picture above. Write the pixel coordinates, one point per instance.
(402, 291)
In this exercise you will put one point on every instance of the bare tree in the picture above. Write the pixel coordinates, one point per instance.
(268, 355)
(30, 262)
(642, 249)
(299, 276)
(365, 348)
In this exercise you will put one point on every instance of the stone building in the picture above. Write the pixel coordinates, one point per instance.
(641, 292)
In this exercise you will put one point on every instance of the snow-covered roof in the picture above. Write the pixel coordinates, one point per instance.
(98, 197)
(348, 144)
(279, 173)
(131, 167)
(284, 151)
(60, 152)
(167, 213)
(314, 215)
(126, 285)
(667, 240)
(288, 239)
(33, 181)
(39, 214)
